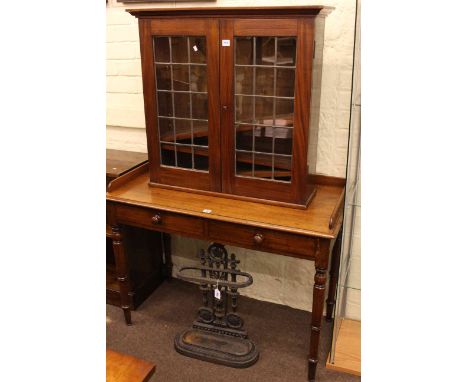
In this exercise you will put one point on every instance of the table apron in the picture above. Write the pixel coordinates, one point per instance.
(240, 235)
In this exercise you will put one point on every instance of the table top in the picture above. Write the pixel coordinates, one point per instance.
(124, 368)
(313, 221)
(119, 162)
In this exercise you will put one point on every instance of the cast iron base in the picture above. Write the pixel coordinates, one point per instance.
(217, 348)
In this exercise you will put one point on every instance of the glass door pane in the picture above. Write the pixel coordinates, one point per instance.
(182, 101)
(264, 80)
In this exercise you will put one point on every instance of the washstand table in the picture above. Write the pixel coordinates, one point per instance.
(312, 233)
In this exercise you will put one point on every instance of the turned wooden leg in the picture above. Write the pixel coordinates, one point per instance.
(321, 266)
(121, 267)
(166, 240)
(334, 269)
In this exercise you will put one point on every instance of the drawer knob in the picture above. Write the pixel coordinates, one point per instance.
(156, 219)
(258, 238)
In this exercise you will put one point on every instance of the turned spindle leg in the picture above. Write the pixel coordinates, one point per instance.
(321, 265)
(334, 270)
(121, 265)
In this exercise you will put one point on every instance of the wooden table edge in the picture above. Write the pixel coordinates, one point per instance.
(226, 219)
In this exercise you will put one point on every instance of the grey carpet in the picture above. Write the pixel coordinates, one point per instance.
(280, 333)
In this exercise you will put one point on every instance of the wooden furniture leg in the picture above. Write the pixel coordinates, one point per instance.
(166, 240)
(321, 266)
(334, 270)
(121, 267)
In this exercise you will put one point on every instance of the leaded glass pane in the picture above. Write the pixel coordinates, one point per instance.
(182, 100)
(264, 78)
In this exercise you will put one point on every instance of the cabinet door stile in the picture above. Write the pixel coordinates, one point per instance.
(303, 85)
(226, 63)
(214, 106)
(149, 95)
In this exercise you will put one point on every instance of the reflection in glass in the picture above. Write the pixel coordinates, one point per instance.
(200, 106)
(265, 50)
(244, 50)
(179, 49)
(166, 129)
(282, 168)
(200, 133)
(163, 75)
(286, 54)
(244, 139)
(161, 49)
(264, 110)
(184, 156)
(282, 140)
(182, 105)
(264, 84)
(244, 162)
(244, 108)
(183, 131)
(197, 47)
(198, 79)
(244, 80)
(201, 160)
(167, 154)
(263, 139)
(285, 82)
(263, 165)
(180, 77)
(284, 112)
(165, 104)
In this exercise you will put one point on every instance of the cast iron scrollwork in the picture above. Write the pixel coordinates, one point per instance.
(218, 271)
(217, 334)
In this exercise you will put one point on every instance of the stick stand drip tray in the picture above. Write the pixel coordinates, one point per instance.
(217, 348)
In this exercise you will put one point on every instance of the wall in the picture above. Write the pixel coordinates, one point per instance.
(277, 279)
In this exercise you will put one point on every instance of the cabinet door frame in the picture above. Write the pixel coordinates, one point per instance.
(181, 177)
(303, 30)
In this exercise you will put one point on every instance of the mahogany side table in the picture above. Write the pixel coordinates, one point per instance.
(303, 233)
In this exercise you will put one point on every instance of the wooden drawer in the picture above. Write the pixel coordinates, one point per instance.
(288, 244)
(159, 220)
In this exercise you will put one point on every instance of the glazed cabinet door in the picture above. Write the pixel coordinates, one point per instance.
(180, 68)
(265, 96)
